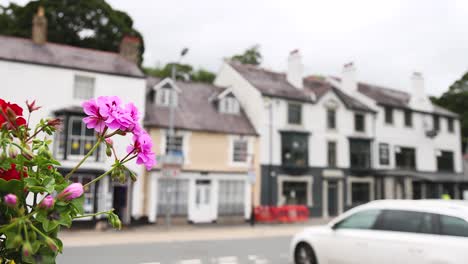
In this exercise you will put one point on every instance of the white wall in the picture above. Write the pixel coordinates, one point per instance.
(397, 134)
(52, 88)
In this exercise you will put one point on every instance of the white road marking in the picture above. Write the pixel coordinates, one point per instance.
(227, 260)
(150, 263)
(190, 261)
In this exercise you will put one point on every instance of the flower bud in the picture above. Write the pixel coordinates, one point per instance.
(27, 154)
(32, 106)
(55, 123)
(12, 152)
(72, 191)
(109, 141)
(11, 115)
(10, 200)
(47, 202)
(108, 151)
(51, 244)
(27, 249)
(17, 240)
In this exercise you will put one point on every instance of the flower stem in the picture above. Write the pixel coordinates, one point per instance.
(38, 231)
(99, 177)
(98, 213)
(90, 152)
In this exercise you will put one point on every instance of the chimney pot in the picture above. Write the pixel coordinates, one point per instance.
(130, 48)
(348, 78)
(39, 30)
(295, 69)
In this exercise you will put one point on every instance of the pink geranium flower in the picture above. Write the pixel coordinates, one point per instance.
(142, 146)
(94, 120)
(110, 109)
(10, 200)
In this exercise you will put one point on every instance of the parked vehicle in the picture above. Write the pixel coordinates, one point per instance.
(388, 232)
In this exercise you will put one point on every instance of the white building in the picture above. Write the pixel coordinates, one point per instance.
(60, 78)
(320, 138)
(417, 150)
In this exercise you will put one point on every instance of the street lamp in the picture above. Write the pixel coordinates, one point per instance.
(170, 155)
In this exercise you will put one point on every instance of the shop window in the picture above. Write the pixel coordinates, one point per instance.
(231, 200)
(177, 198)
(294, 149)
(295, 192)
(360, 192)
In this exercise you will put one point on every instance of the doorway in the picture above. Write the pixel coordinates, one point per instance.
(119, 201)
(202, 212)
(332, 198)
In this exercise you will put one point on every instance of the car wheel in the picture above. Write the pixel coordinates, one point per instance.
(304, 254)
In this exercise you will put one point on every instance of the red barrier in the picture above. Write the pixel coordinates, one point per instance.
(281, 214)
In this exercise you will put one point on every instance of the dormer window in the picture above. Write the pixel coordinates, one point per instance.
(229, 105)
(166, 93)
(166, 97)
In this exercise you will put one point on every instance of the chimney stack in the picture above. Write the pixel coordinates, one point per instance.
(130, 49)
(348, 78)
(419, 100)
(295, 69)
(39, 28)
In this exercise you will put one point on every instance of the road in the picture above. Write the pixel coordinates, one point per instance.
(271, 250)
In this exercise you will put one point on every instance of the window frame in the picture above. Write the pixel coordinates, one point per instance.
(81, 82)
(449, 168)
(359, 122)
(450, 124)
(382, 161)
(388, 115)
(331, 118)
(332, 156)
(407, 162)
(246, 141)
(290, 116)
(289, 137)
(82, 139)
(436, 122)
(408, 118)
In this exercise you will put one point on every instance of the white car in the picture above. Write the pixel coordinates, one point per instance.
(389, 232)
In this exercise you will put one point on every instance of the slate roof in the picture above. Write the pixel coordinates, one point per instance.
(319, 86)
(395, 98)
(270, 83)
(195, 111)
(64, 56)
(275, 84)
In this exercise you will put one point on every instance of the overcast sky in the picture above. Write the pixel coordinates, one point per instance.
(387, 40)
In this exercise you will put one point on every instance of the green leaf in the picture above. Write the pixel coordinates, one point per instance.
(49, 225)
(12, 186)
(78, 205)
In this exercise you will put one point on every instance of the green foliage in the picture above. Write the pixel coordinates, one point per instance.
(456, 100)
(71, 22)
(183, 72)
(251, 56)
(29, 231)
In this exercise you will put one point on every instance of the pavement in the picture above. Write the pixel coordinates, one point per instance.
(159, 233)
(265, 250)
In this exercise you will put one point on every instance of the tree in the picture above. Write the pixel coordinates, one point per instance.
(251, 56)
(89, 24)
(184, 72)
(456, 100)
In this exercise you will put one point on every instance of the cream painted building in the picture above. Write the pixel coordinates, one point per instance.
(218, 148)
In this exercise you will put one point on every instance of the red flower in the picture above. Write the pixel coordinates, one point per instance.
(11, 114)
(12, 173)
